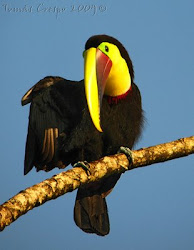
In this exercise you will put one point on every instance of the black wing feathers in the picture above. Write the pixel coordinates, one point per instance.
(48, 119)
(38, 87)
(30, 150)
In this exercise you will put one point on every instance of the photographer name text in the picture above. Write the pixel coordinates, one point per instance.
(56, 10)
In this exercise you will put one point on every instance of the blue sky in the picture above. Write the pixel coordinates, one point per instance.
(150, 208)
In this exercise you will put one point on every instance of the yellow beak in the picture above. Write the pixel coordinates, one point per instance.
(96, 69)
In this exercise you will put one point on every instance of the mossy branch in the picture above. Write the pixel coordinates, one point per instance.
(72, 179)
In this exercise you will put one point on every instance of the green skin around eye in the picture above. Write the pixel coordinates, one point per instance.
(103, 46)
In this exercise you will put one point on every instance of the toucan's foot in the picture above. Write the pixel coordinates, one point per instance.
(127, 152)
(83, 164)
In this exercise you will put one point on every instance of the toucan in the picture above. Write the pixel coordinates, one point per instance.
(72, 121)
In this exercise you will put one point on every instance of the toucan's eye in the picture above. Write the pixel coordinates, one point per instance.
(106, 48)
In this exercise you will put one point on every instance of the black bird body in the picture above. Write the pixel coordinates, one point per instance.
(61, 132)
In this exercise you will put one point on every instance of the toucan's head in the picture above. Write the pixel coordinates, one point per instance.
(108, 70)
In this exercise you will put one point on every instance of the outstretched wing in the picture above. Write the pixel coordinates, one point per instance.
(50, 118)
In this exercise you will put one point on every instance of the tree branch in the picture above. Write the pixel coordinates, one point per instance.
(72, 179)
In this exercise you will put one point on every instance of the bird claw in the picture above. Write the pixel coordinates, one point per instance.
(83, 164)
(128, 153)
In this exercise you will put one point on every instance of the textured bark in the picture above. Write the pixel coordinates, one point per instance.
(72, 179)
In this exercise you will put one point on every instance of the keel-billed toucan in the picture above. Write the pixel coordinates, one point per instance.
(74, 121)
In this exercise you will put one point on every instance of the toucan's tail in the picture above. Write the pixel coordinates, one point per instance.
(90, 213)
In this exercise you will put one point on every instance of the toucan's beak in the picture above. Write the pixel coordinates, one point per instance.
(97, 66)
